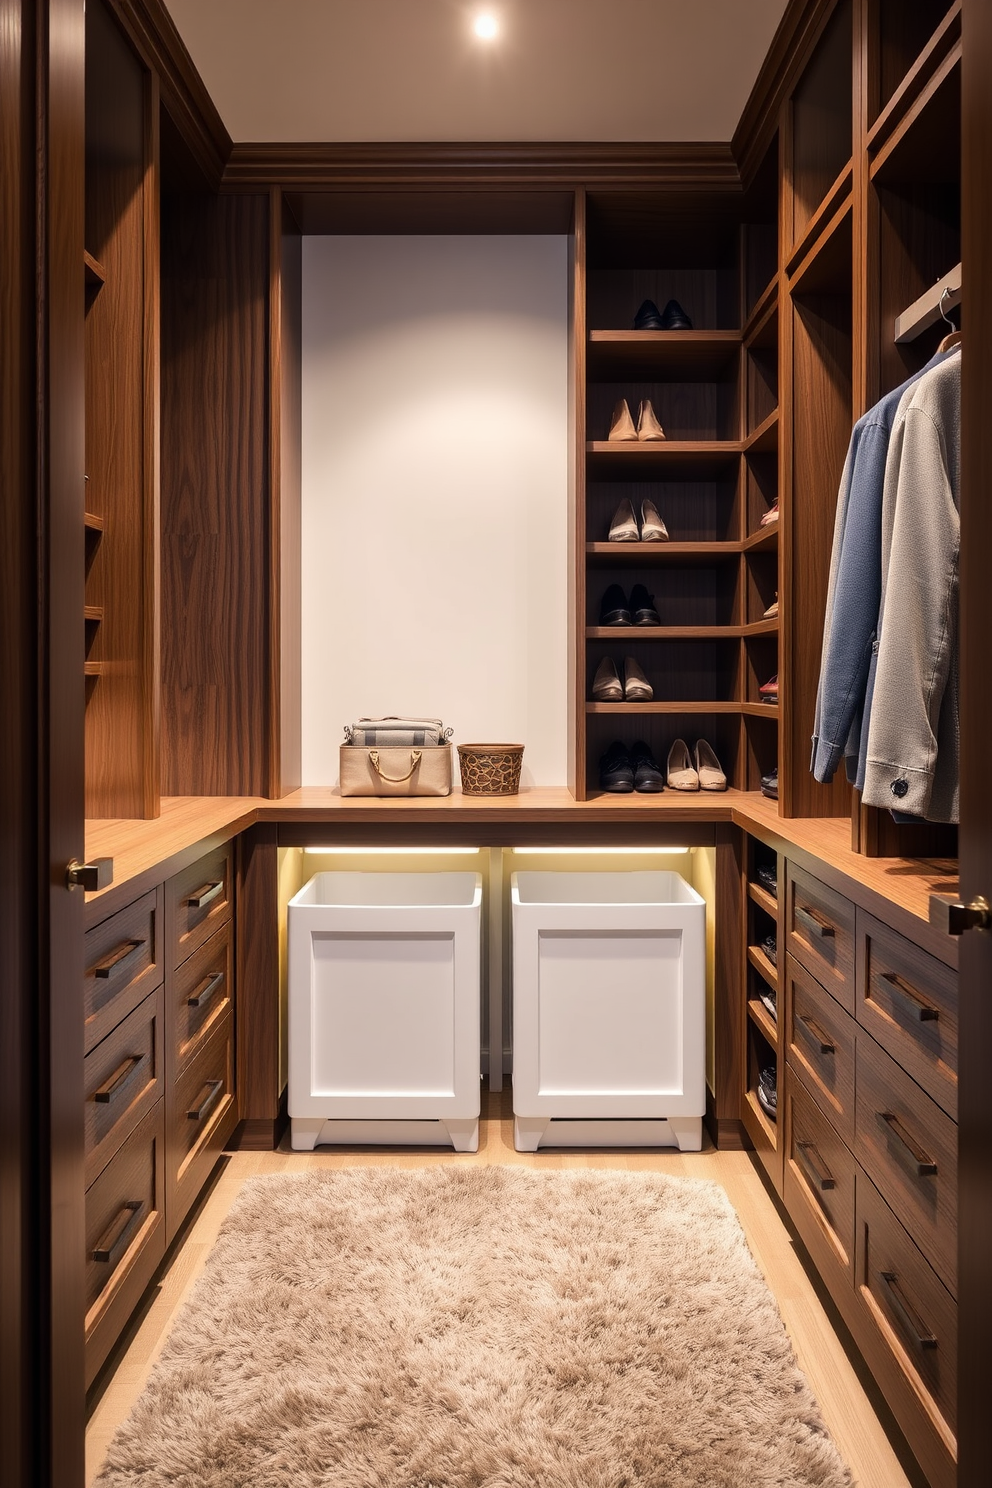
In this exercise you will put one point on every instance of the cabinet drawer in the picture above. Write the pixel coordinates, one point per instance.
(123, 1079)
(819, 1181)
(201, 1113)
(125, 1235)
(909, 1148)
(198, 901)
(915, 1316)
(820, 933)
(820, 1047)
(124, 962)
(908, 1001)
(202, 992)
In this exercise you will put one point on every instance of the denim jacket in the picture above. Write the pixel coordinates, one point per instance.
(854, 593)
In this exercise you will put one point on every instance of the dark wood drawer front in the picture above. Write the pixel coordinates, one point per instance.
(203, 991)
(124, 1210)
(909, 1148)
(124, 962)
(821, 1047)
(199, 901)
(908, 1001)
(201, 1113)
(123, 1080)
(819, 1174)
(820, 934)
(914, 1314)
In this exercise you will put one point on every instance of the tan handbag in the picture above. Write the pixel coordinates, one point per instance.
(396, 770)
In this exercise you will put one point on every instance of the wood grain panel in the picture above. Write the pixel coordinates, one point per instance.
(287, 416)
(578, 498)
(975, 1108)
(728, 1032)
(257, 1005)
(216, 533)
(121, 740)
(201, 1112)
(124, 1077)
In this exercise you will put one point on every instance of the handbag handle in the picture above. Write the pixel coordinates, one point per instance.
(394, 779)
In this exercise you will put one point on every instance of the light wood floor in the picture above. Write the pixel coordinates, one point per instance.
(846, 1409)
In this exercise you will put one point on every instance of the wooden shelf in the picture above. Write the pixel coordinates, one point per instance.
(760, 710)
(760, 1015)
(769, 1128)
(663, 632)
(93, 523)
(96, 274)
(765, 540)
(676, 356)
(761, 317)
(689, 554)
(827, 266)
(919, 74)
(763, 898)
(760, 628)
(666, 459)
(941, 92)
(664, 707)
(836, 201)
(93, 614)
(93, 668)
(764, 440)
(766, 969)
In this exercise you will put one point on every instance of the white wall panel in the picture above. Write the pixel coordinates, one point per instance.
(435, 442)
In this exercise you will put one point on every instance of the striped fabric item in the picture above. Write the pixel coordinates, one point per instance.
(411, 732)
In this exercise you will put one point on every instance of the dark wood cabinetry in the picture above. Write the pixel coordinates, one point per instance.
(160, 1079)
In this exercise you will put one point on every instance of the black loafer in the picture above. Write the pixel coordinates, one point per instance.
(648, 318)
(614, 610)
(616, 773)
(647, 772)
(674, 318)
(767, 1093)
(769, 784)
(642, 607)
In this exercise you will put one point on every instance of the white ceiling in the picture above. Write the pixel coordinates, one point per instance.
(412, 70)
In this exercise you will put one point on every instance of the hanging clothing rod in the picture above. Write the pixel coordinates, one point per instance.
(927, 309)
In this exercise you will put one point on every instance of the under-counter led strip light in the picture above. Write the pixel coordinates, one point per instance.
(641, 852)
(370, 852)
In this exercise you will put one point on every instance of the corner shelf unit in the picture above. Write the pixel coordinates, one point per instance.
(714, 390)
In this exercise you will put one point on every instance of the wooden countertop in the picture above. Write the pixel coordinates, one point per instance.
(189, 825)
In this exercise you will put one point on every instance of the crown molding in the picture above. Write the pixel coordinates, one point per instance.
(798, 32)
(154, 35)
(330, 167)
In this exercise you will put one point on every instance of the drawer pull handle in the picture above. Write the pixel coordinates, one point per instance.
(814, 1167)
(920, 1160)
(814, 1034)
(923, 1011)
(205, 893)
(118, 1080)
(213, 1090)
(118, 958)
(813, 922)
(113, 1242)
(204, 990)
(914, 1328)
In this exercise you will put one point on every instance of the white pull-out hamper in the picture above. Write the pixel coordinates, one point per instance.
(384, 1020)
(609, 991)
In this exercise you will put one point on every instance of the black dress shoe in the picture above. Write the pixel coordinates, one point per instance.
(642, 607)
(769, 784)
(648, 318)
(616, 773)
(648, 776)
(674, 318)
(615, 610)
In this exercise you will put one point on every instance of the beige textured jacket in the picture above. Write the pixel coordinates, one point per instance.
(913, 738)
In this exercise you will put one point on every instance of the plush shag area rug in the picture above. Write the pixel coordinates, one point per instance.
(477, 1327)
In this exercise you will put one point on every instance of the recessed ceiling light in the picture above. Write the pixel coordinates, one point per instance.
(486, 26)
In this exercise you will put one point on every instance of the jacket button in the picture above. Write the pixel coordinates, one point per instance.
(900, 787)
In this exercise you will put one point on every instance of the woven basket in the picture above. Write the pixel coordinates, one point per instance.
(490, 769)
